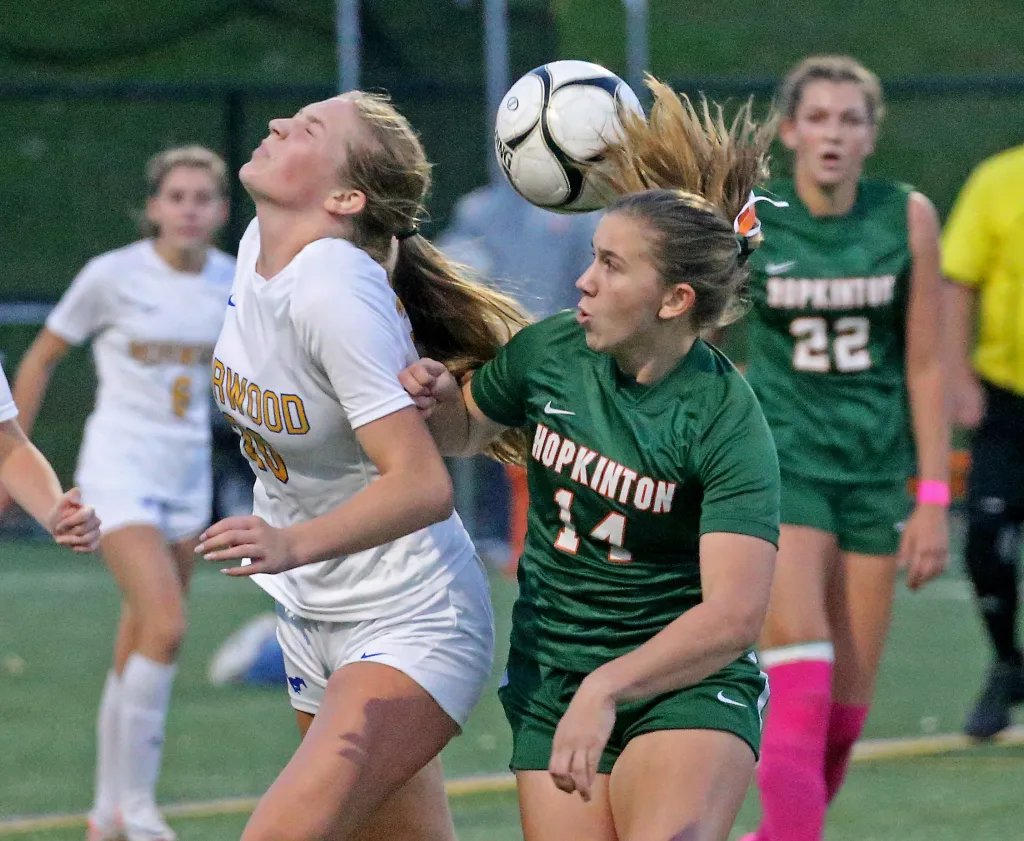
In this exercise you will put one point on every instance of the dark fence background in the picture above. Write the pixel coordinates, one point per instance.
(72, 156)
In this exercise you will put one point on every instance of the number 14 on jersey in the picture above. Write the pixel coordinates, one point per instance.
(611, 529)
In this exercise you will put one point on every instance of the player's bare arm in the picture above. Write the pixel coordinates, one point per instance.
(30, 480)
(34, 372)
(966, 394)
(925, 543)
(457, 424)
(412, 492)
(736, 573)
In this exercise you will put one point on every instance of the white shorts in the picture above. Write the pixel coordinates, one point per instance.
(119, 506)
(446, 646)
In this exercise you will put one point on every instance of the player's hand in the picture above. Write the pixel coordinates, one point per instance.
(924, 548)
(428, 383)
(74, 525)
(968, 400)
(580, 739)
(267, 548)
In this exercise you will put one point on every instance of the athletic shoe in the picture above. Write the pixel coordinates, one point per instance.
(148, 826)
(991, 712)
(234, 658)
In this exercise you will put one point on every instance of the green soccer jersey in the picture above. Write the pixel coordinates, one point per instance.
(826, 335)
(623, 480)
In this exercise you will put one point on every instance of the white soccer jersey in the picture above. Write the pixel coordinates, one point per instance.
(153, 331)
(302, 361)
(7, 408)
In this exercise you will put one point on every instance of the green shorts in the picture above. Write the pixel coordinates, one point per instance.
(867, 518)
(536, 696)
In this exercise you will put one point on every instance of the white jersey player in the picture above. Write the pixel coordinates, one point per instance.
(153, 311)
(383, 609)
(302, 363)
(31, 482)
(145, 453)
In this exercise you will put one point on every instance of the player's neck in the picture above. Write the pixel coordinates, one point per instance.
(184, 260)
(283, 234)
(831, 200)
(647, 362)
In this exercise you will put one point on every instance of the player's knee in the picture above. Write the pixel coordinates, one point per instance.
(163, 633)
(782, 629)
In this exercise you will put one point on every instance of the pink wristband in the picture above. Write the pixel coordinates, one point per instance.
(933, 492)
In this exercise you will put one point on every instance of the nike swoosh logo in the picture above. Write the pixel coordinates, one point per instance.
(779, 268)
(231, 300)
(721, 697)
(551, 410)
(366, 656)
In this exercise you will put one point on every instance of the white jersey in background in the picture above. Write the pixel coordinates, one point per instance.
(7, 408)
(302, 361)
(153, 330)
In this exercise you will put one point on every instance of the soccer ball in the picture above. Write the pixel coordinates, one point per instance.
(552, 127)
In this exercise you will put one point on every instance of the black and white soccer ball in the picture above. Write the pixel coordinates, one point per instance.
(552, 128)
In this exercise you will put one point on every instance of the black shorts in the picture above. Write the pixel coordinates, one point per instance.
(997, 454)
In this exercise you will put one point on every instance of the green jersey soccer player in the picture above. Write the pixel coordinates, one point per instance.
(653, 510)
(846, 360)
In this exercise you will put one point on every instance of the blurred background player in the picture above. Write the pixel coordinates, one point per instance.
(383, 609)
(653, 503)
(153, 310)
(27, 477)
(845, 357)
(984, 259)
(534, 255)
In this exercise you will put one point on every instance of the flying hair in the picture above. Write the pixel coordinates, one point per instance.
(455, 319)
(692, 149)
(688, 174)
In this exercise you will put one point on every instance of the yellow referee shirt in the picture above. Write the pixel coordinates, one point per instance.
(983, 248)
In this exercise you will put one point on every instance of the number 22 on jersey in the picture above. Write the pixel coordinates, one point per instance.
(848, 338)
(611, 529)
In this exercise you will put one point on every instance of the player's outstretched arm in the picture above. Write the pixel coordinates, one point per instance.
(456, 423)
(30, 480)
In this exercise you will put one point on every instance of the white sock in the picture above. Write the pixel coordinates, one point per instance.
(145, 696)
(107, 796)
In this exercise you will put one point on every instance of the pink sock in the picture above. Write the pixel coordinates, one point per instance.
(791, 773)
(845, 722)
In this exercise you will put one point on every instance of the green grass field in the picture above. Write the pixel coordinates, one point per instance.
(56, 626)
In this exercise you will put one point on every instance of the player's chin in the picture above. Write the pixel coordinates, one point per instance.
(248, 175)
(592, 336)
(835, 176)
